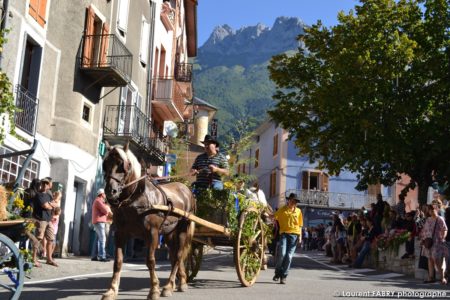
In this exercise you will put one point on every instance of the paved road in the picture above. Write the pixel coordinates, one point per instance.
(311, 277)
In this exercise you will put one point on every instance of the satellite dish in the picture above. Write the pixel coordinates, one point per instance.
(170, 129)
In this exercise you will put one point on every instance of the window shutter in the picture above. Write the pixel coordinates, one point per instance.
(122, 15)
(256, 158)
(325, 182)
(305, 180)
(42, 10)
(33, 9)
(105, 45)
(145, 32)
(275, 145)
(88, 38)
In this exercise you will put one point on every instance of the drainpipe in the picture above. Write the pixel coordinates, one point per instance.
(5, 14)
(150, 59)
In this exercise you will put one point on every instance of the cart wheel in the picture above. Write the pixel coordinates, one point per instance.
(249, 246)
(11, 268)
(194, 260)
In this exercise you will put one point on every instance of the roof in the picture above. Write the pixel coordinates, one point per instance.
(204, 103)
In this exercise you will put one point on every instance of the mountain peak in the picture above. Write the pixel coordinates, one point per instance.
(248, 41)
(219, 33)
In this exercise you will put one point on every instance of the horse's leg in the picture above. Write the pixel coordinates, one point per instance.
(185, 244)
(173, 246)
(113, 290)
(152, 242)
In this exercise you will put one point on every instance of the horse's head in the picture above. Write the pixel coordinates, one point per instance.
(120, 167)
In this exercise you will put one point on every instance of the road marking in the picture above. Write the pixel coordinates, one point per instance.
(361, 270)
(319, 262)
(215, 257)
(139, 268)
(386, 276)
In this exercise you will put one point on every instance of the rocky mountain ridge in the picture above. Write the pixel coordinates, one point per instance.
(251, 44)
(231, 70)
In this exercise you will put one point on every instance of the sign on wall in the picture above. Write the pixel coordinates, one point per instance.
(214, 128)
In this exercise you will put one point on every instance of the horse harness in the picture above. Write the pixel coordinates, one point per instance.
(167, 226)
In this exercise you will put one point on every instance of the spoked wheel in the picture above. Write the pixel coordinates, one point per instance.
(249, 246)
(11, 269)
(194, 260)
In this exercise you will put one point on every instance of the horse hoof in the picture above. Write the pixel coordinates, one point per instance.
(166, 293)
(109, 295)
(153, 295)
(183, 287)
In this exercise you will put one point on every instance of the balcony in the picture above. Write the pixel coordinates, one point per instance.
(25, 117)
(169, 98)
(183, 72)
(333, 200)
(124, 123)
(106, 60)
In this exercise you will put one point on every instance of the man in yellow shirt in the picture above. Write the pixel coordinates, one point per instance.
(290, 220)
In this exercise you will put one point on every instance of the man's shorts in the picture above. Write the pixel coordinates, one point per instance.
(44, 229)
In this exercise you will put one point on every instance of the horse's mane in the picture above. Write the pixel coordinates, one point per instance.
(127, 155)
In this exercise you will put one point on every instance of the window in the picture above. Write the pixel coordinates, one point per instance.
(145, 32)
(316, 181)
(86, 113)
(37, 10)
(10, 166)
(122, 16)
(31, 65)
(273, 183)
(256, 158)
(96, 41)
(275, 144)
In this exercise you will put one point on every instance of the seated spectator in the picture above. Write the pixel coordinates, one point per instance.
(410, 225)
(366, 242)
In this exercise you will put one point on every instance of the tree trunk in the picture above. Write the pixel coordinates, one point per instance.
(423, 192)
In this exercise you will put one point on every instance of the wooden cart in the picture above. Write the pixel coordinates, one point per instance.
(12, 265)
(248, 242)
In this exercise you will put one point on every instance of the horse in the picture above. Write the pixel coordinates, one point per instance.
(131, 197)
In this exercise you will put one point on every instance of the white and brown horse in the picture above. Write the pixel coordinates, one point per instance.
(131, 197)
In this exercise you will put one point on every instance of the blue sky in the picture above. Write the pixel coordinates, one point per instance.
(239, 13)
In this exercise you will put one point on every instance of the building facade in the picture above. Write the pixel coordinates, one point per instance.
(274, 161)
(89, 71)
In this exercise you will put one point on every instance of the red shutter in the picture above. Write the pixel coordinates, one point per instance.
(88, 38)
(105, 44)
(37, 9)
(33, 9)
(325, 182)
(41, 12)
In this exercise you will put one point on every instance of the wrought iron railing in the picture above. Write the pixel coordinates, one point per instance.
(130, 121)
(27, 105)
(106, 51)
(183, 72)
(332, 199)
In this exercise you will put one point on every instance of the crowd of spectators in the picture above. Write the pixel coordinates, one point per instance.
(349, 240)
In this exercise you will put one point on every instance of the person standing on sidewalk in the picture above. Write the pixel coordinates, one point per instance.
(100, 215)
(290, 219)
(43, 205)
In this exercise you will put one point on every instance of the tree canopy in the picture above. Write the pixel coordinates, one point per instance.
(372, 94)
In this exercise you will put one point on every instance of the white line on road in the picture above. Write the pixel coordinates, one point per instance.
(140, 268)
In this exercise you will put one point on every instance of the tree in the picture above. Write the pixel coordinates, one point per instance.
(7, 107)
(372, 94)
